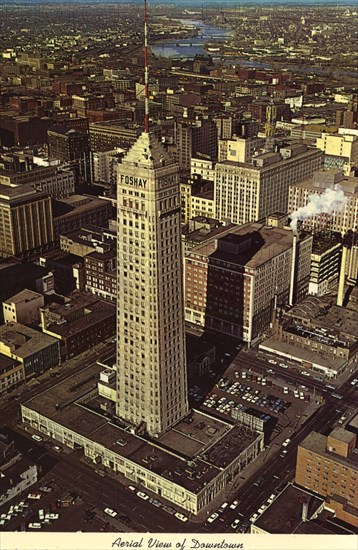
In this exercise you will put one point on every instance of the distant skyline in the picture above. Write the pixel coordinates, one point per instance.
(193, 3)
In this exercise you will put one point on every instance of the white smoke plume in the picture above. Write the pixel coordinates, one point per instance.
(330, 201)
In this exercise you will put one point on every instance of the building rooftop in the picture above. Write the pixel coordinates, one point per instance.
(24, 341)
(349, 184)
(23, 296)
(78, 203)
(192, 453)
(284, 515)
(256, 244)
(339, 322)
(317, 443)
(98, 312)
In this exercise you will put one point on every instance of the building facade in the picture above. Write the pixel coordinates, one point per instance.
(234, 282)
(26, 223)
(340, 220)
(328, 466)
(152, 383)
(247, 192)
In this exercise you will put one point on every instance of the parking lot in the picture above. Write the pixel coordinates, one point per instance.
(244, 391)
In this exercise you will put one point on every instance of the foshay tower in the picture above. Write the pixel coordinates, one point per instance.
(151, 360)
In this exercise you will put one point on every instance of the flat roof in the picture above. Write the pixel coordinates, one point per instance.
(317, 443)
(25, 295)
(266, 244)
(24, 341)
(191, 453)
(323, 312)
(99, 312)
(298, 353)
(284, 515)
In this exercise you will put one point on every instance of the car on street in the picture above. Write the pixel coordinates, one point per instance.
(286, 442)
(254, 517)
(234, 504)
(142, 495)
(34, 525)
(155, 502)
(36, 437)
(213, 517)
(181, 517)
(110, 512)
(235, 524)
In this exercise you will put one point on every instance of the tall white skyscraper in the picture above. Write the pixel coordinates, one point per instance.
(151, 362)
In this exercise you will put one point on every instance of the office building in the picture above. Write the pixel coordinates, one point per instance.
(196, 136)
(55, 182)
(106, 136)
(239, 149)
(104, 166)
(71, 146)
(26, 223)
(246, 192)
(78, 324)
(80, 210)
(152, 383)
(328, 465)
(341, 219)
(340, 151)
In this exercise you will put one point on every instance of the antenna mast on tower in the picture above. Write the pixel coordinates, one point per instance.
(146, 72)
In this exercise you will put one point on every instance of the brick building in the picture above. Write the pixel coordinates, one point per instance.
(234, 281)
(328, 465)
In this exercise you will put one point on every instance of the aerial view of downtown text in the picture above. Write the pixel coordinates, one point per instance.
(178, 272)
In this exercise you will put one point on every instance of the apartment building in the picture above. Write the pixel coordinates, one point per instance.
(36, 352)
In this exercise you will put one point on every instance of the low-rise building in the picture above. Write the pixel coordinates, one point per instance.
(80, 210)
(188, 465)
(296, 511)
(79, 324)
(318, 334)
(36, 351)
(23, 307)
(11, 373)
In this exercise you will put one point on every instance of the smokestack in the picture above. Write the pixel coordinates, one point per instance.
(304, 516)
(293, 268)
(342, 277)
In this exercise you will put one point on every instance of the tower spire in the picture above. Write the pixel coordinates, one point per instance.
(146, 72)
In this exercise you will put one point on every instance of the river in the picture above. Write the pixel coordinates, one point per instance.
(189, 47)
